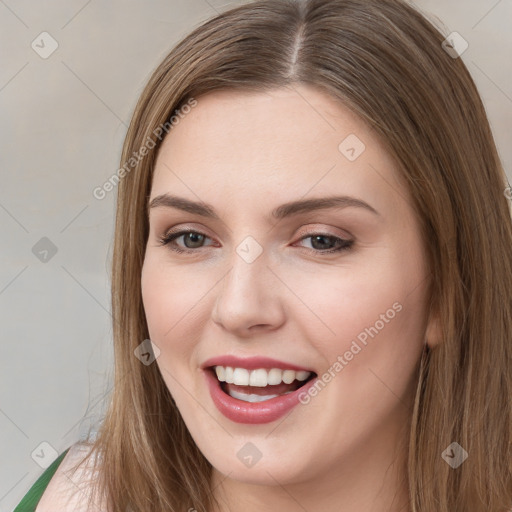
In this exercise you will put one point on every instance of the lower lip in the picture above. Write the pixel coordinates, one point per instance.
(257, 412)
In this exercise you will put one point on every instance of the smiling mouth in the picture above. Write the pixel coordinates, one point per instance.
(259, 385)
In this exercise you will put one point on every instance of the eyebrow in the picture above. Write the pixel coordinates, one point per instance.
(285, 210)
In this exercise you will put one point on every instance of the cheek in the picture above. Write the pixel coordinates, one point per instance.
(374, 319)
(169, 297)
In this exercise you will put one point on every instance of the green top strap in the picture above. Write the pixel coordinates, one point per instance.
(31, 499)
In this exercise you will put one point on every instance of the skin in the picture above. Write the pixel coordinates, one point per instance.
(245, 154)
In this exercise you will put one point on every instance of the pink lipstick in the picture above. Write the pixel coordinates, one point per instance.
(275, 387)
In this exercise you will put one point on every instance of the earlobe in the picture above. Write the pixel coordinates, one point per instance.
(433, 333)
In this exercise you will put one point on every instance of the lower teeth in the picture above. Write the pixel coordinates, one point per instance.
(253, 398)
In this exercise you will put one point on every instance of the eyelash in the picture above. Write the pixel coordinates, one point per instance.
(170, 237)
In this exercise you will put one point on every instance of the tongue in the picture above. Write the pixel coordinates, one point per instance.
(277, 389)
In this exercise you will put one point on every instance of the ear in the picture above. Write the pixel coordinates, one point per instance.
(433, 332)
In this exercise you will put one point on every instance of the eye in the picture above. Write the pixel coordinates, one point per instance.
(192, 239)
(322, 241)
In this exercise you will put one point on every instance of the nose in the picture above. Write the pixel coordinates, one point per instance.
(249, 298)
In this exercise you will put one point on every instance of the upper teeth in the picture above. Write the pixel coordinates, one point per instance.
(259, 377)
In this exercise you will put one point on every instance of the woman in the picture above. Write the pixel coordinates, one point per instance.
(313, 231)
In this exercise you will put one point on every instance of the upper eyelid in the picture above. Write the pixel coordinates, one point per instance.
(306, 231)
(183, 231)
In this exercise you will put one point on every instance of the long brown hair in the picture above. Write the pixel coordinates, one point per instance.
(385, 61)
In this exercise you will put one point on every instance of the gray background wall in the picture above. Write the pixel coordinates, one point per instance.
(62, 125)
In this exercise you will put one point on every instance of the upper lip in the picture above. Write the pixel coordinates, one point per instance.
(251, 363)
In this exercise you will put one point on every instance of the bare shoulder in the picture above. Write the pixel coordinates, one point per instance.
(69, 490)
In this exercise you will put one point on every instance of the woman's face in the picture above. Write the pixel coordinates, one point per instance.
(261, 280)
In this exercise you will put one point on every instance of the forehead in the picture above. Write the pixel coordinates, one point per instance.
(264, 147)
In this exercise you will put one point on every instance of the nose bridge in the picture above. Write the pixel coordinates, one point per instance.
(248, 271)
(246, 296)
